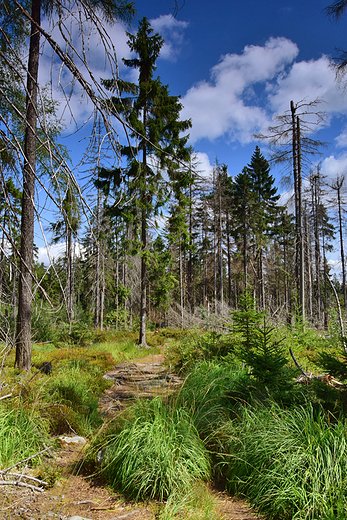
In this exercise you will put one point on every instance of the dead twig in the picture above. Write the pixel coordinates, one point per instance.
(20, 484)
(298, 364)
(27, 477)
(6, 396)
(25, 460)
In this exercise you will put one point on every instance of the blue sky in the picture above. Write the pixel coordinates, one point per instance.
(236, 65)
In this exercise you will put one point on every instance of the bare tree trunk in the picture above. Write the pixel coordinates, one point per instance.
(300, 220)
(220, 246)
(245, 266)
(315, 203)
(2, 256)
(337, 187)
(191, 299)
(23, 335)
(69, 276)
(181, 285)
(310, 310)
(102, 295)
(97, 267)
(143, 297)
(229, 260)
(342, 251)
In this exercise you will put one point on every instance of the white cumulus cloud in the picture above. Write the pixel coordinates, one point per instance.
(228, 104)
(172, 30)
(245, 91)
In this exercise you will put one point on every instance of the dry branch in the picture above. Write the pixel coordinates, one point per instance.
(20, 484)
(25, 460)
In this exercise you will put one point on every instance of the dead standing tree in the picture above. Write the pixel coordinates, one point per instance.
(292, 146)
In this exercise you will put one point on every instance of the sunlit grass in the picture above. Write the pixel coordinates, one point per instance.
(195, 503)
(22, 434)
(292, 464)
(157, 452)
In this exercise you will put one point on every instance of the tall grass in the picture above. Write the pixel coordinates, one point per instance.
(212, 393)
(196, 503)
(157, 452)
(22, 434)
(292, 464)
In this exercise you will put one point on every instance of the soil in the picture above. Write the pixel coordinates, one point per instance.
(76, 493)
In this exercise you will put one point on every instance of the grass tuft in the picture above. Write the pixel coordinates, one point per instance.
(157, 452)
(292, 464)
(22, 435)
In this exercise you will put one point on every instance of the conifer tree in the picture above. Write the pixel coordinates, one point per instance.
(157, 144)
(243, 206)
(265, 209)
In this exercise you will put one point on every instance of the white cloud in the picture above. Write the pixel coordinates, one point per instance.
(247, 90)
(219, 106)
(333, 166)
(46, 255)
(55, 251)
(308, 80)
(172, 30)
(341, 140)
(89, 46)
(201, 165)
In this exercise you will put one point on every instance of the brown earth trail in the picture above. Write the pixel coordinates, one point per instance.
(79, 495)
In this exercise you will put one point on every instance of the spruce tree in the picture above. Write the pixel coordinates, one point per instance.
(265, 209)
(157, 146)
(243, 208)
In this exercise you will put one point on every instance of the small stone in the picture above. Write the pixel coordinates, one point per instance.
(72, 440)
(78, 518)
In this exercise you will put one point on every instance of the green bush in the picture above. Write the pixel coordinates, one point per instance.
(212, 393)
(199, 347)
(74, 390)
(157, 452)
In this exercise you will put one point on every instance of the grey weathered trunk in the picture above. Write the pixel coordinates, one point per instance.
(23, 334)
(143, 297)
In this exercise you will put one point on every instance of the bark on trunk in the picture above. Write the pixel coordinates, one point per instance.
(23, 335)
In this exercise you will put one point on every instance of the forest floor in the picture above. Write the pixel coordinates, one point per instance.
(76, 493)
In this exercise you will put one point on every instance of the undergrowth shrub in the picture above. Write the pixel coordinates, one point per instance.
(291, 464)
(198, 347)
(157, 452)
(77, 390)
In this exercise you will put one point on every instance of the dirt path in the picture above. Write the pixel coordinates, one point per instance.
(76, 494)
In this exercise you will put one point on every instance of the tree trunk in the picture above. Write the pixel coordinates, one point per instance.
(23, 335)
(143, 297)
(229, 258)
(300, 221)
(220, 246)
(341, 251)
(69, 276)
(316, 202)
(97, 267)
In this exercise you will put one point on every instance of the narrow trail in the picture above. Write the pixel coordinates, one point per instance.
(75, 493)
